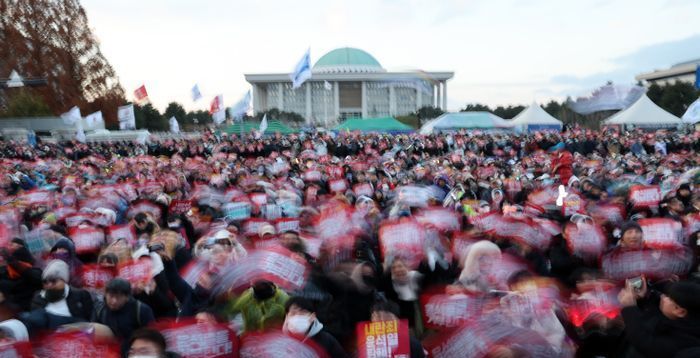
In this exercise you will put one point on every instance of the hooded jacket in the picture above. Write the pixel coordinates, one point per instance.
(650, 334)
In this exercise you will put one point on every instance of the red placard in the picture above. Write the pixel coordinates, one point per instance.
(661, 233)
(312, 175)
(137, 271)
(585, 240)
(251, 227)
(74, 345)
(338, 185)
(16, 349)
(655, 264)
(178, 207)
(258, 199)
(388, 339)
(276, 344)
(287, 224)
(642, 196)
(443, 219)
(124, 232)
(144, 206)
(596, 298)
(78, 218)
(573, 204)
(442, 310)
(87, 239)
(334, 222)
(404, 238)
(363, 189)
(335, 172)
(610, 213)
(199, 340)
(275, 264)
(96, 276)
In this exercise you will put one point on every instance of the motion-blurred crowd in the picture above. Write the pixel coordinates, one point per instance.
(461, 244)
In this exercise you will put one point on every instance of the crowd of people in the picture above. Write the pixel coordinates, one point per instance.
(462, 244)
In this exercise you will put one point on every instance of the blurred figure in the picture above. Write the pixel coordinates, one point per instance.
(147, 342)
(301, 322)
(261, 307)
(389, 311)
(121, 312)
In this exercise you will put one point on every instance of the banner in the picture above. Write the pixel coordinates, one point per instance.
(136, 271)
(443, 219)
(338, 186)
(384, 339)
(74, 345)
(174, 125)
(444, 310)
(276, 344)
(302, 71)
(86, 239)
(585, 240)
(217, 104)
(140, 93)
(94, 120)
(287, 224)
(95, 276)
(655, 264)
(71, 117)
(199, 340)
(144, 206)
(404, 238)
(275, 264)
(127, 118)
(236, 211)
(363, 189)
(661, 233)
(178, 207)
(122, 232)
(645, 196)
(16, 349)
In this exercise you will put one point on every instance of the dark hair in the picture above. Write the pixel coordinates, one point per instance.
(109, 257)
(386, 306)
(300, 302)
(118, 286)
(149, 334)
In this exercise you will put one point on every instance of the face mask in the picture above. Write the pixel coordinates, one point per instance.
(298, 324)
(54, 295)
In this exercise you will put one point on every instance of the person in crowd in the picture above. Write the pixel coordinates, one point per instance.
(301, 321)
(261, 306)
(148, 342)
(121, 312)
(58, 303)
(19, 276)
(389, 311)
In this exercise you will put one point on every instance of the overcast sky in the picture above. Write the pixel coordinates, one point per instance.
(502, 51)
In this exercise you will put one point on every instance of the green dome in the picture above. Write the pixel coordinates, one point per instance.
(347, 59)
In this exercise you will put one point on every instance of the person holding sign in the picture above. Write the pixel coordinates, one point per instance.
(389, 311)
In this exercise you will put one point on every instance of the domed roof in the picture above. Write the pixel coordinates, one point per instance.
(347, 59)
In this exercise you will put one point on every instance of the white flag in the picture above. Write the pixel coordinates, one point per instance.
(127, 119)
(302, 71)
(327, 85)
(238, 110)
(93, 120)
(219, 117)
(72, 116)
(196, 94)
(15, 80)
(263, 124)
(692, 115)
(80, 134)
(174, 126)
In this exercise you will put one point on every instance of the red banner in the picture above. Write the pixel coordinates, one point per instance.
(287, 224)
(18, 349)
(123, 232)
(199, 340)
(96, 276)
(78, 218)
(441, 218)
(74, 345)
(613, 214)
(661, 233)
(178, 207)
(385, 339)
(363, 189)
(585, 240)
(338, 185)
(645, 196)
(144, 206)
(275, 264)
(86, 239)
(138, 271)
(444, 310)
(655, 264)
(573, 204)
(312, 175)
(403, 238)
(276, 345)
(335, 172)
(251, 227)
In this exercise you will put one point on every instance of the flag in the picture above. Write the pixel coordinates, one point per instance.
(15, 80)
(327, 85)
(697, 77)
(219, 117)
(127, 119)
(80, 134)
(174, 126)
(140, 93)
(72, 116)
(196, 94)
(217, 104)
(302, 71)
(93, 120)
(692, 115)
(263, 126)
(239, 109)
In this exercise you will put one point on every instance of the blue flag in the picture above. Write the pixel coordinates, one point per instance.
(697, 77)
(196, 94)
(302, 71)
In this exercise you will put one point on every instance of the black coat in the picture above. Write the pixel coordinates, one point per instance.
(329, 344)
(79, 303)
(124, 321)
(650, 334)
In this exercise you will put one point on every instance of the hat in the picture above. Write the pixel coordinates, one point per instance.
(222, 234)
(266, 229)
(108, 213)
(118, 286)
(685, 294)
(56, 269)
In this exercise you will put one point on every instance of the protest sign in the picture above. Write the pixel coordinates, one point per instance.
(383, 339)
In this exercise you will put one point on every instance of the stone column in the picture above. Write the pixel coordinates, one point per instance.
(280, 96)
(364, 99)
(308, 102)
(444, 95)
(336, 100)
(392, 100)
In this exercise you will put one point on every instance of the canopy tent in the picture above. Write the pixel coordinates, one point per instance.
(383, 124)
(272, 127)
(644, 113)
(465, 120)
(534, 118)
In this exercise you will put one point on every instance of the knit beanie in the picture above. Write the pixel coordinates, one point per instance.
(56, 269)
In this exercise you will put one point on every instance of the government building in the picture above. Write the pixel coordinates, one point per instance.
(684, 72)
(346, 83)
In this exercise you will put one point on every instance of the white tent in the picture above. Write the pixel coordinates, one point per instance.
(534, 118)
(644, 113)
(466, 120)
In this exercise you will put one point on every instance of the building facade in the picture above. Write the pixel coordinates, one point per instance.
(684, 72)
(347, 83)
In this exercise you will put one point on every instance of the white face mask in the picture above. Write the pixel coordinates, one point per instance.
(298, 324)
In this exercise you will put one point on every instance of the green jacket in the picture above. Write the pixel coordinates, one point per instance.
(259, 315)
